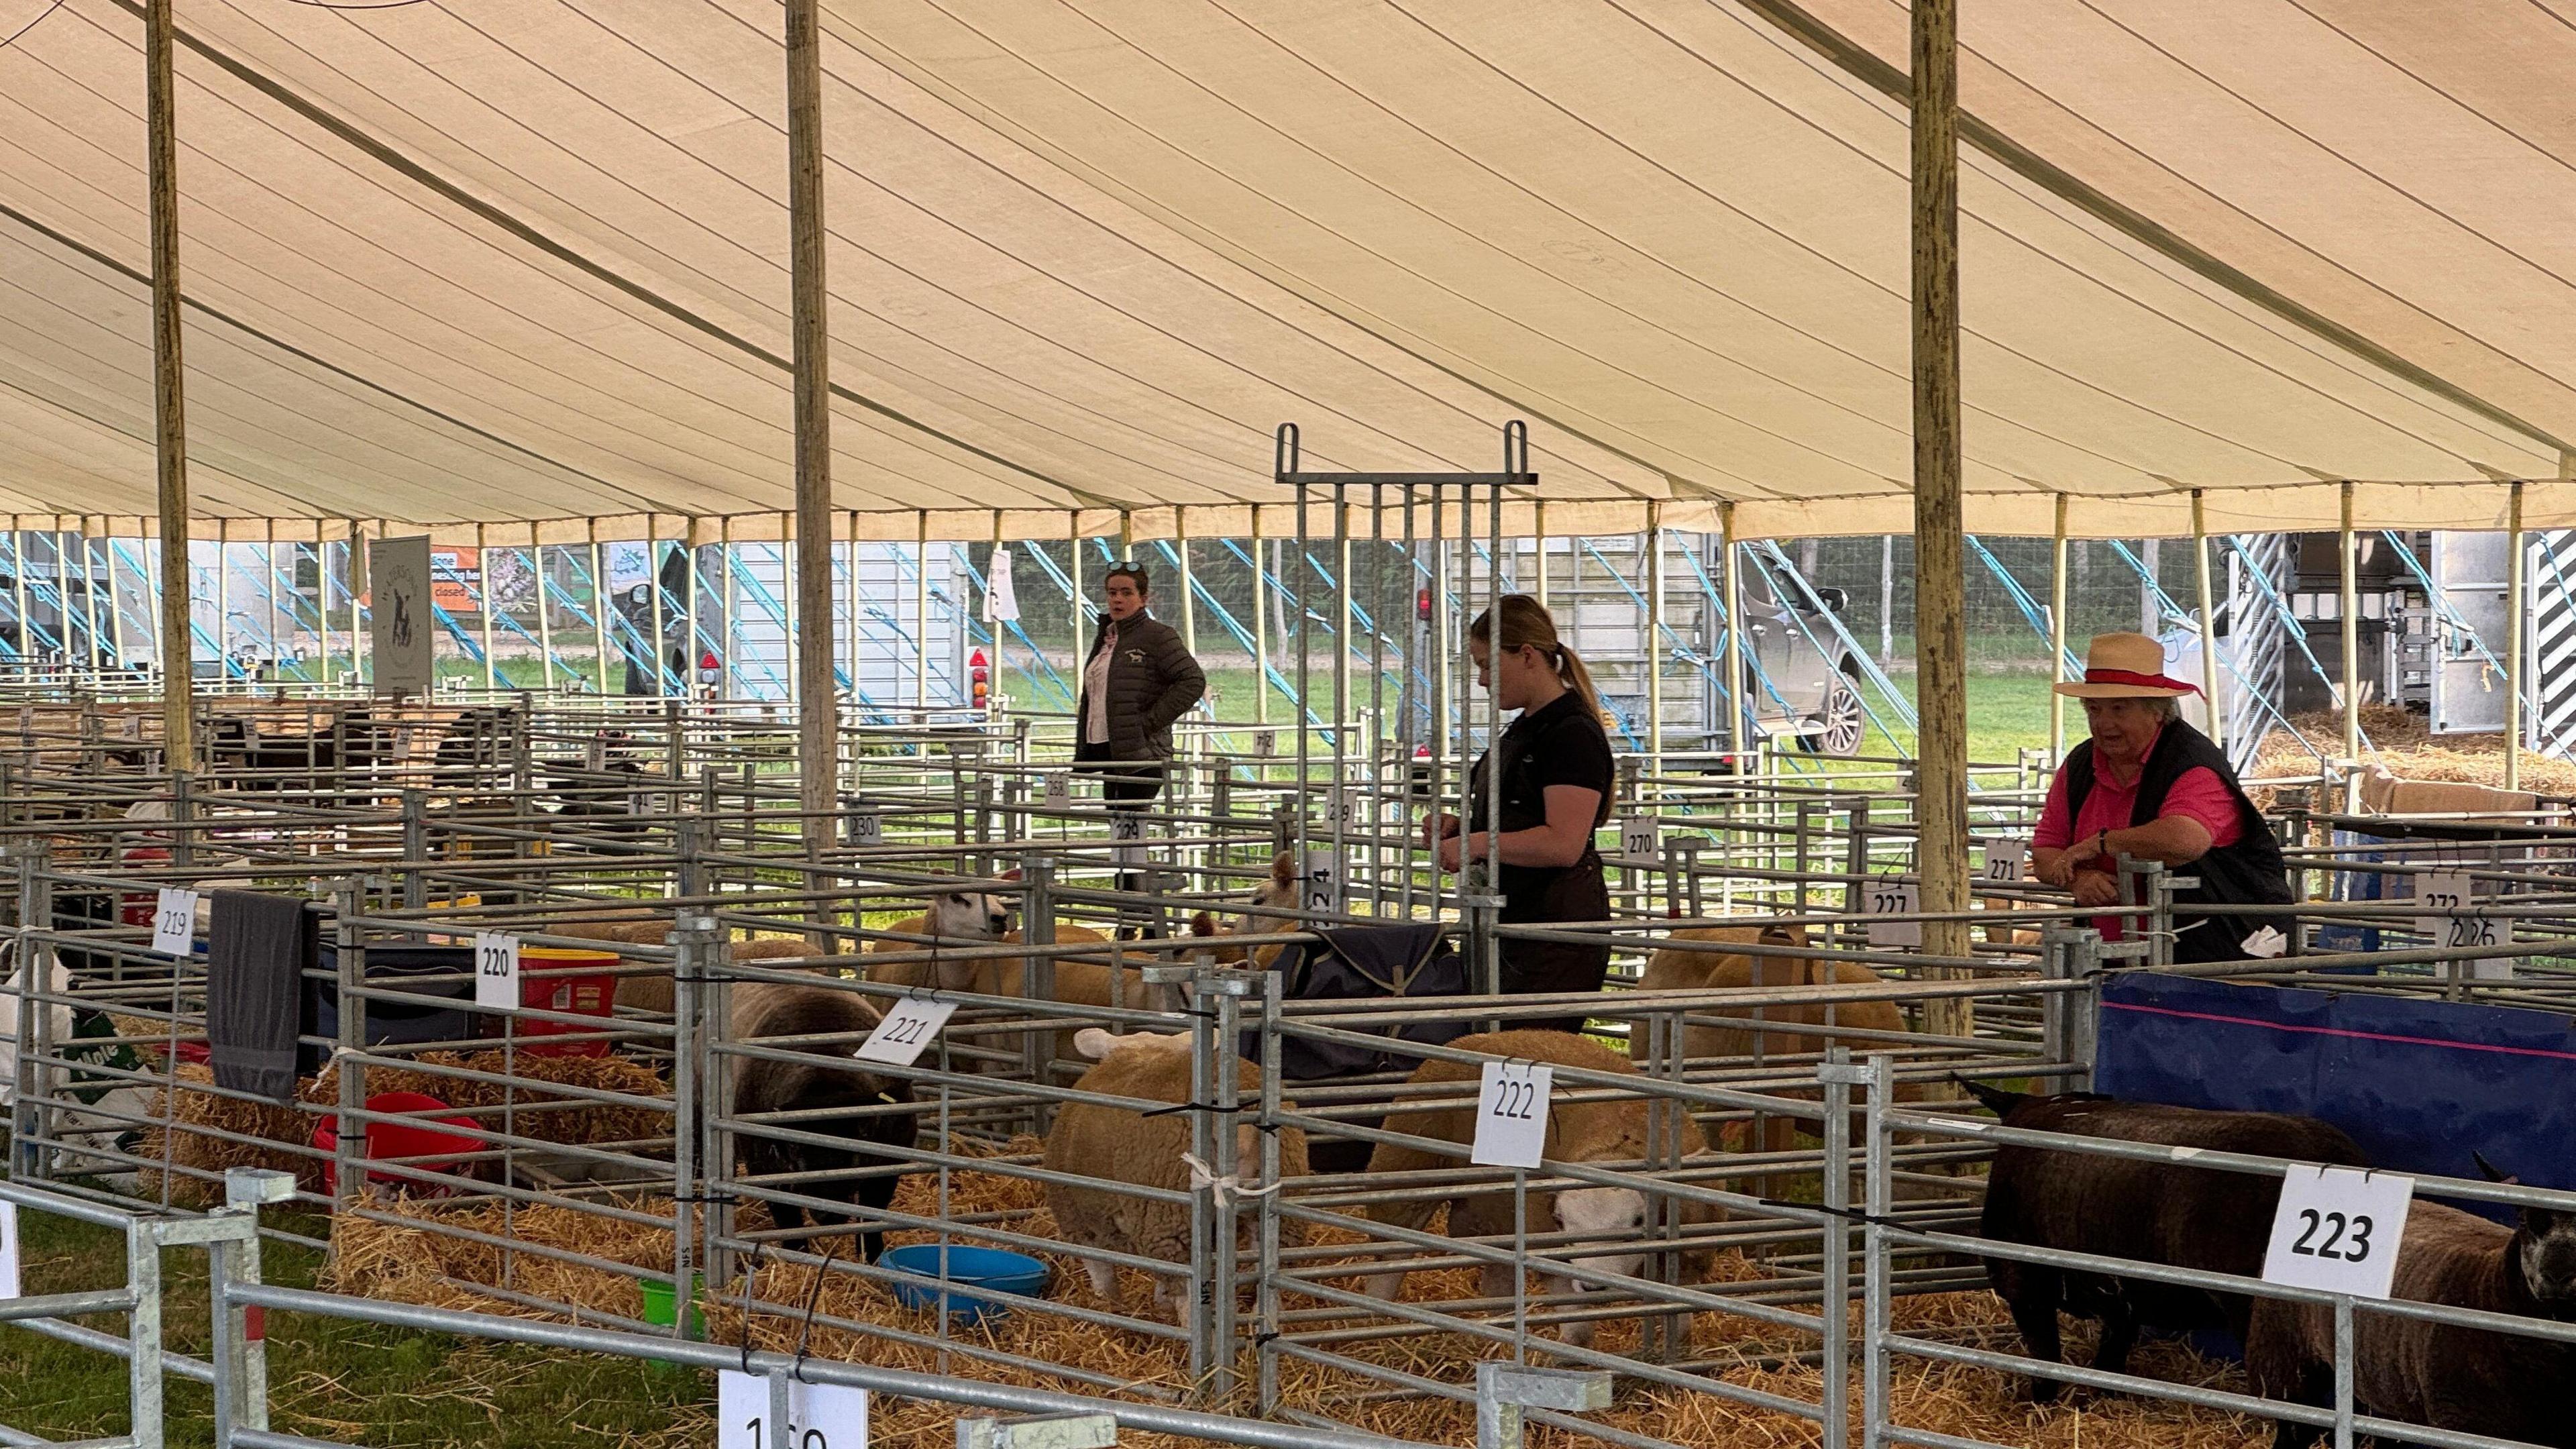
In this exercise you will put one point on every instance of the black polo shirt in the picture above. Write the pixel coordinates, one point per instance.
(1559, 743)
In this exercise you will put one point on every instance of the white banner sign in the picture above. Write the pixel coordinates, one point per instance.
(1001, 599)
(174, 922)
(819, 1416)
(1887, 896)
(496, 971)
(401, 626)
(2338, 1230)
(907, 1029)
(1511, 1114)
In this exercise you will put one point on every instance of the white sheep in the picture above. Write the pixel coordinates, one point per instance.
(1120, 1145)
(1595, 1131)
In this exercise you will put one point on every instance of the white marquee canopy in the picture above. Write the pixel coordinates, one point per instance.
(524, 262)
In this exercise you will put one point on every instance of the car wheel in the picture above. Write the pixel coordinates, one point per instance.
(1845, 724)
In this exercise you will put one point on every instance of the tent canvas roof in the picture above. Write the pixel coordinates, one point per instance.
(524, 261)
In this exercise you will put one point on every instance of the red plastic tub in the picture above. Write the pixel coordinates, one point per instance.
(564, 980)
(419, 1141)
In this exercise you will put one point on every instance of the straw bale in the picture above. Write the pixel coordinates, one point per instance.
(2406, 746)
(188, 1103)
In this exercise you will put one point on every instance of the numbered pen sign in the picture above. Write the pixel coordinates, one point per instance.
(1511, 1114)
(2338, 1230)
(1641, 838)
(867, 828)
(1058, 794)
(496, 971)
(1127, 831)
(2456, 917)
(907, 1029)
(9, 1286)
(1886, 896)
(819, 1416)
(174, 922)
(1321, 883)
(2007, 857)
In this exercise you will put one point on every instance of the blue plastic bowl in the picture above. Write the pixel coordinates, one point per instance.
(989, 1269)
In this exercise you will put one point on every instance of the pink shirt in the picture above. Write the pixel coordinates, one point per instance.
(2198, 793)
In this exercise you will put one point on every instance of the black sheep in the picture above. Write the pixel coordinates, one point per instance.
(2147, 1212)
(832, 1081)
(2503, 1385)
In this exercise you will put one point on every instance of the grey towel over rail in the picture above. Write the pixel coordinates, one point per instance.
(256, 956)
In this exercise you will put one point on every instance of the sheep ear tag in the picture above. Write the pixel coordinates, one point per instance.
(1511, 1114)
(906, 1031)
(2338, 1230)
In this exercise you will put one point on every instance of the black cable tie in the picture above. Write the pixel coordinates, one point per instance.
(1199, 1107)
(1854, 1215)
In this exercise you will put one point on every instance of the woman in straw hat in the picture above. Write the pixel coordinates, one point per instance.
(2150, 787)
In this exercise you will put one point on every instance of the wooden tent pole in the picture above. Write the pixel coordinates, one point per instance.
(170, 432)
(2057, 637)
(2517, 623)
(920, 611)
(484, 604)
(817, 711)
(2208, 622)
(1940, 533)
(599, 605)
(2349, 602)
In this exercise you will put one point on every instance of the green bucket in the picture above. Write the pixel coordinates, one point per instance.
(661, 1312)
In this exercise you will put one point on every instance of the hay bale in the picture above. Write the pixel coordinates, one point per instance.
(189, 1104)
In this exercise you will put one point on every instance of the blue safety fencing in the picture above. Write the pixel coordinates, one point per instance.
(2420, 1085)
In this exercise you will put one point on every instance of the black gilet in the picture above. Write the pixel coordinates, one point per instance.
(2249, 872)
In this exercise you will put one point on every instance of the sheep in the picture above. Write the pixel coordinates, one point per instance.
(1277, 892)
(1117, 1144)
(767, 1010)
(1082, 980)
(655, 991)
(2503, 1385)
(2147, 1212)
(1673, 969)
(1613, 1131)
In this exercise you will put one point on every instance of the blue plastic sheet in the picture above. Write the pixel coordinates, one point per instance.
(2419, 1084)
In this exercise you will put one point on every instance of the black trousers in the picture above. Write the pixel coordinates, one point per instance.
(1577, 893)
(1126, 785)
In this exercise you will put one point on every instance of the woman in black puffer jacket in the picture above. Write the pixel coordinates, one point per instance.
(1137, 681)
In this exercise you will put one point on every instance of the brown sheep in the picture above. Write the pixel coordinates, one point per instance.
(1597, 1131)
(2146, 1212)
(1277, 892)
(1119, 1145)
(2467, 1380)
(1671, 969)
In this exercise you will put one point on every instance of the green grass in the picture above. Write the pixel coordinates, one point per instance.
(331, 1379)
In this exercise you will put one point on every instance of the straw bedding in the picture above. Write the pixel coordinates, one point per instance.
(2408, 749)
(408, 1264)
(196, 1111)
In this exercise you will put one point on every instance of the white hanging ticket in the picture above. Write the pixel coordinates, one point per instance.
(1511, 1114)
(2007, 856)
(1888, 896)
(9, 1285)
(1058, 794)
(1127, 828)
(819, 1416)
(2338, 1230)
(496, 971)
(174, 922)
(2455, 916)
(907, 1029)
(1641, 838)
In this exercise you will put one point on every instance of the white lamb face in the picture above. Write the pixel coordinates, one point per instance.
(1617, 1214)
(967, 916)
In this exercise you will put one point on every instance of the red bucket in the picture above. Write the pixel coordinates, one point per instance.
(426, 1147)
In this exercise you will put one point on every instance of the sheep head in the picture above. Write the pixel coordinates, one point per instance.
(1278, 892)
(966, 916)
(2544, 1245)
(1095, 1043)
(1618, 1213)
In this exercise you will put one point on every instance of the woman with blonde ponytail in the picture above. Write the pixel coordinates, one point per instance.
(1555, 787)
